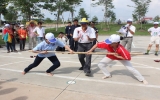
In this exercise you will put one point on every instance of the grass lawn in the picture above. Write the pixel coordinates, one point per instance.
(1, 41)
(113, 28)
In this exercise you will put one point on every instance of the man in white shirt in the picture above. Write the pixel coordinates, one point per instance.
(40, 32)
(155, 38)
(128, 37)
(85, 35)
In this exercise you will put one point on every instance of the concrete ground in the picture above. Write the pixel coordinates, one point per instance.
(69, 83)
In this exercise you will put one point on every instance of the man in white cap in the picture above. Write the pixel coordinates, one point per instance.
(117, 52)
(85, 35)
(128, 37)
(49, 44)
(155, 38)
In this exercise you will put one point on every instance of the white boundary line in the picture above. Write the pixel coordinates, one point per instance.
(12, 63)
(89, 80)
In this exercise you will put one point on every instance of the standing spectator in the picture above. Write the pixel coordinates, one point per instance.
(74, 44)
(84, 35)
(92, 24)
(16, 30)
(40, 32)
(8, 34)
(128, 37)
(13, 37)
(68, 31)
(155, 38)
(22, 36)
(32, 36)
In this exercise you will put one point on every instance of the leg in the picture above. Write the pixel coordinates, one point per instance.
(24, 42)
(13, 44)
(124, 42)
(102, 65)
(157, 49)
(75, 45)
(72, 43)
(129, 66)
(55, 65)
(34, 39)
(36, 62)
(7, 45)
(30, 43)
(88, 59)
(129, 44)
(21, 43)
(81, 56)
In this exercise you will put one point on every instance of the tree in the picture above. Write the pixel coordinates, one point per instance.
(113, 17)
(3, 10)
(141, 8)
(58, 6)
(156, 18)
(107, 11)
(95, 19)
(12, 14)
(28, 8)
(135, 18)
(82, 14)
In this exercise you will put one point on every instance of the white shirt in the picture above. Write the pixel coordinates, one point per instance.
(132, 28)
(78, 32)
(40, 31)
(154, 31)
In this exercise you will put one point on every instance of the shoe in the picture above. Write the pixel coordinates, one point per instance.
(156, 54)
(146, 53)
(8, 51)
(87, 74)
(11, 50)
(104, 77)
(81, 68)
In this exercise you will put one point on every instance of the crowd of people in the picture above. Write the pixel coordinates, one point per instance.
(81, 38)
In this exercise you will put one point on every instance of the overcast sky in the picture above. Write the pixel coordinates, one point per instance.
(121, 9)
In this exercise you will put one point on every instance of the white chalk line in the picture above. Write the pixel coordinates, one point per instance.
(12, 63)
(89, 80)
(146, 66)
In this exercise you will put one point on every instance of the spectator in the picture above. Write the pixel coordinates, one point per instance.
(68, 31)
(13, 37)
(32, 36)
(40, 32)
(63, 39)
(74, 44)
(22, 36)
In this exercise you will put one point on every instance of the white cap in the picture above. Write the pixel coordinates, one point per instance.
(7, 25)
(21, 25)
(129, 20)
(114, 38)
(50, 37)
(156, 23)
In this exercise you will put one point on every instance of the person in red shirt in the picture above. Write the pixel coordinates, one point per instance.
(8, 44)
(117, 52)
(22, 32)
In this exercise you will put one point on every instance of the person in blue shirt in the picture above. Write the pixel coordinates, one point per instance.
(49, 44)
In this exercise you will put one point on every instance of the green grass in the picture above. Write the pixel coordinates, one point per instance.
(1, 41)
(103, 29)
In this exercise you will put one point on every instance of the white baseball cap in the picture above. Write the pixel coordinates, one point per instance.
(50, 37)
(129, 20)
(114, 38)
(21, 25)
(156, 23)
(7, 25)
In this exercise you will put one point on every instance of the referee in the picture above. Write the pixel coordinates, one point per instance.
(84, 35)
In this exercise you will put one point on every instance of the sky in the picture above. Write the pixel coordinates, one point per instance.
(121, 9)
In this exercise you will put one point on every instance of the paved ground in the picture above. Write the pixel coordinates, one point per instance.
(69, 83)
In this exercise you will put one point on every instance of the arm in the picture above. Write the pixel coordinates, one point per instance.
(94, 47)
(132, 31)
(118, 56)
(71, 51)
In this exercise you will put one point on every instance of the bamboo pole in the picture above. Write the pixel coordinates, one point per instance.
(93, 53)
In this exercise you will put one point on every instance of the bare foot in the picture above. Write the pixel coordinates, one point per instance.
(23, 73)
(50, 74)
(145, 82)
(104, 77)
